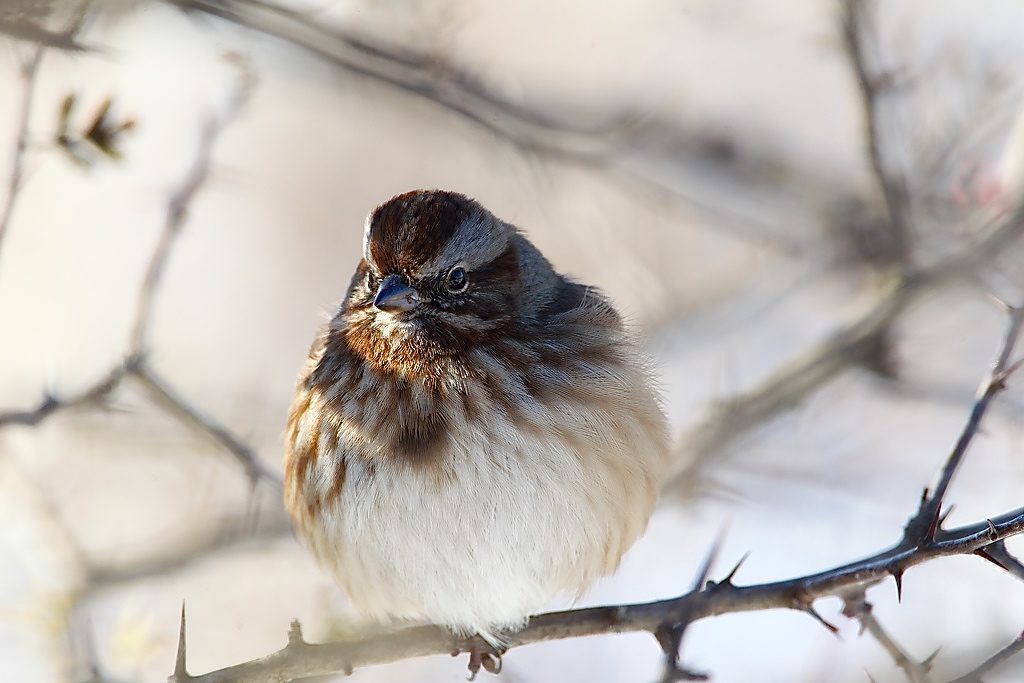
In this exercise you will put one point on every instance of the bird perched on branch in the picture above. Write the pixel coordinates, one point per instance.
(473, 434)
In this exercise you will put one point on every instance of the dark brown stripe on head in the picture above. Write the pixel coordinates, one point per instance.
(410, 229)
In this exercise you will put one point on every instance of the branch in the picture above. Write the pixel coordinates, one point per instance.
(177, 207)
(926, 522)
(299, 659)
(426, 76)
(133, 364)
(974, 676)
(665, 619)
(235, 531)
(29, 70)
(856, 606)
(41, 37)
(95, 395)
(255, 470)
(891, 185)
(729, 420)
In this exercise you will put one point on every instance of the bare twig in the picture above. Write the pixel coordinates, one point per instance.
(133, 364)
(856, 606)
(975, 674)
(41, 37)
(233, 534)
(427, 76)
(255, 470)
(856, 27)
(729, 420)
(177, 208)
(94, 395)
(29, 70)
(926, 522)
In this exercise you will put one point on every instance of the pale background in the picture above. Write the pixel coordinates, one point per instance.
(745, 111)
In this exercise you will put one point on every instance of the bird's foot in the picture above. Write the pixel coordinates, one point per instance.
(481, 655)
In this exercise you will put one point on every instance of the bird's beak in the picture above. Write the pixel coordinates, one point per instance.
(395, 296)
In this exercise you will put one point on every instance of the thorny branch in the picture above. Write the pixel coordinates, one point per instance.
(666, 619)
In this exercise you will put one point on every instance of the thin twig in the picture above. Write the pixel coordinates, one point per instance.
(925, 523)
(856, 606)
(29, 71)
(891, 185)
(255, 470)
(974, 675)
(133, 365)
(232, 533)
(177, 209)
(94, 395)
(424, 75)
(729, 420)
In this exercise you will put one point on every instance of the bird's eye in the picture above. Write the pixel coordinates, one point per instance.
(457, 280)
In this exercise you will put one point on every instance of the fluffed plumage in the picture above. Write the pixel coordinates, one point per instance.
(473, 434)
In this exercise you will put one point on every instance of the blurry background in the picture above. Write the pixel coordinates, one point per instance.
(750, 180)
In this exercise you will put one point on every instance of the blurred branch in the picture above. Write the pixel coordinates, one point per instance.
(133, 364)
(857, 31)
(42, 37)
(851, 345)
(856, 606)
(974, 676)
(411, 72)
(28, 71)
(93, 396)
(178, 406)
(667, 619)
(235, 531)
(466, 95)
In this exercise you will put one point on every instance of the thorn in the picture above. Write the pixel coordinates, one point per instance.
(295, 638)
(870, 677)
(821, 620)
(180, 674)
(729, 577)
(946, 514)
(993, 532)
(705, 569)
(930, 659)
(897, 574)
(984, 554)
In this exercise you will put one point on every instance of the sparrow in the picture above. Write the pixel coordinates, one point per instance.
(473, 434)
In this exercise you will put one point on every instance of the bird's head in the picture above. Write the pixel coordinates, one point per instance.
(439, 274)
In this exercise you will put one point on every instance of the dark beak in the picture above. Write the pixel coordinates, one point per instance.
(395, 296)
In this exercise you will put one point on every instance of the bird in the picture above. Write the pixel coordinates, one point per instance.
(473, 434)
